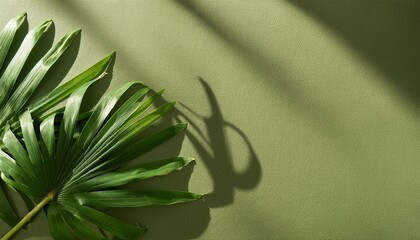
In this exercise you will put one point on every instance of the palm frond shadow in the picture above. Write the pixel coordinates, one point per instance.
(387, 35)
(219, 161)
(100, 32)
(191, 220)
(221, 156)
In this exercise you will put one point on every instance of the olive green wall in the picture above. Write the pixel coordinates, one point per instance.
(304, 115)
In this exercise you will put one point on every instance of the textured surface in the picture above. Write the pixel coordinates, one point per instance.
(305, 124)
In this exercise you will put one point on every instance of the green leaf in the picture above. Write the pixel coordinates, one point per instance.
(144, 106)
(79, 227)
(7, 35)
(48, 137)
(48, 147)
(68, 124)
(8, 79)
(108, 223)
(9, 167)
(99, 115)
(66, 134)
(117, 120)
(146, 144)
(7, 214)
(133, 128)
(22, 93)
(21, 156)
(140, 172)
(134, 198)
(31, 141)
(126, 133)
(57, 226)
(18, 186)
(108, 132)
(97, 71)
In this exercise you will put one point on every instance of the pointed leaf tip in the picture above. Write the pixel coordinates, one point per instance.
(22, 16)
(188, 160)
(46, 25)
(48, 21)
(20, 19)
(182, 126)
(109, 58)
(74, 33)
(171, 104)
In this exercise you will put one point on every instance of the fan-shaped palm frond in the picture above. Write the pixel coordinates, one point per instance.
(16, 89)
(71, 169)
(77, 170)
(74, 172)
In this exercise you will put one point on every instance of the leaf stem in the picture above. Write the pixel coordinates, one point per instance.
(25, 220)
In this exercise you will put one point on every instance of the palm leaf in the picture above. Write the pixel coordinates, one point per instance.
(6, 211)
(12, 102)
(7, 35)
(68, 162)
(78, 169)
(133, 198)
(15, 95)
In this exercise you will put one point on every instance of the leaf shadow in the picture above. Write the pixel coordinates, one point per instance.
(190, 220)
(386, 34)
(219, 160)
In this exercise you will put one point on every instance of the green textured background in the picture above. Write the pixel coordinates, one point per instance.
(305, 123)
